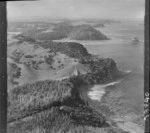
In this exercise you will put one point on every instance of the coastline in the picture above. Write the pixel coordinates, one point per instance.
(103, 105)
(124, 122)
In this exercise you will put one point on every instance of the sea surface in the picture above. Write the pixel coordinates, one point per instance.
(125, 98)
(122, 100)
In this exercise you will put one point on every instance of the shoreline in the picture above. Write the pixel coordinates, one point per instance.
(125, 123)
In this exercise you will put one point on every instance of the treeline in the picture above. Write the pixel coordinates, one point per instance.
(54, 121)
(101, 70)
(38, 95)
(71, 49)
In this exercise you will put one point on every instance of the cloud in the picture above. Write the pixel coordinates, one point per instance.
(76, 9)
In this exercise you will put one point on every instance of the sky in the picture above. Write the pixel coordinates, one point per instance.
(76, 9)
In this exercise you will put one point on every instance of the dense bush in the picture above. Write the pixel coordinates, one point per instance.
(49, 59)
(22, 38)
(56, 106)
(32, 97)
(64, 30)
(54, 121)
(14, 70)
(71, 49)
(86, 32)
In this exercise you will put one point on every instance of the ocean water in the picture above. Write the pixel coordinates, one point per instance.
(125, 98)
(122, 100)
(128, 56)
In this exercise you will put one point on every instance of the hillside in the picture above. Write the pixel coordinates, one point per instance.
(40, 106)
(86, 32)
(44, 87)
(33, 60)
(99, 25)
(56, 31)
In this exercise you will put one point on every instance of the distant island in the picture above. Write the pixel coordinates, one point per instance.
(58, 31)
(86, 32)
(99, 25)
(54, 105)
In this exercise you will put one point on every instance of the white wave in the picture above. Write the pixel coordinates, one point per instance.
(125, 72)
(97, 91)
(112, 83)
(128, 71)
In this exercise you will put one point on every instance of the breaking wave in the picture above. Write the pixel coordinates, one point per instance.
(125, 72)
(97, 91)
